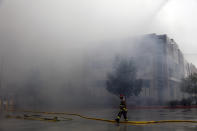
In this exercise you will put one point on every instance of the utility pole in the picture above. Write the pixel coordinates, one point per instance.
(1, 76)
(1, 72)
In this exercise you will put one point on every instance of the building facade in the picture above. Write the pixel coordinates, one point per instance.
(159, 61)
(162, 67)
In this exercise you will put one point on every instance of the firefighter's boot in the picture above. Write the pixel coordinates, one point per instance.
(117, 119)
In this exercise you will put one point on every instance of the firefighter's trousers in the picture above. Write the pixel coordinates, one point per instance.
(122, 112)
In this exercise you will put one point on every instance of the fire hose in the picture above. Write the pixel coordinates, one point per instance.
(39, 118)
(100, 119)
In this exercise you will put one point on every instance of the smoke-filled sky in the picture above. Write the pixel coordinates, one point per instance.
(57, 33)
(65, 26)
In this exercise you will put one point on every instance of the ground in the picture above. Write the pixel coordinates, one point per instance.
(80, 124)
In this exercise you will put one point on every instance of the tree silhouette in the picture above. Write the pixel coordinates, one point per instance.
(189, 84)
(123, 79)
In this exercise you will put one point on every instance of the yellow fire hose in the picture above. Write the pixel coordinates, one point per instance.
(32, 118)
(112, 121)
(39, 117)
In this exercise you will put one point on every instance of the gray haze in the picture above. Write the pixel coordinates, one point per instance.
(57, 39)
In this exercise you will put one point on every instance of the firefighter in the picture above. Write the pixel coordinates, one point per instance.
(123, 109)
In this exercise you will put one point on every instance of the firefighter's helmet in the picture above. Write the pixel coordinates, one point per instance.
(121, 96)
